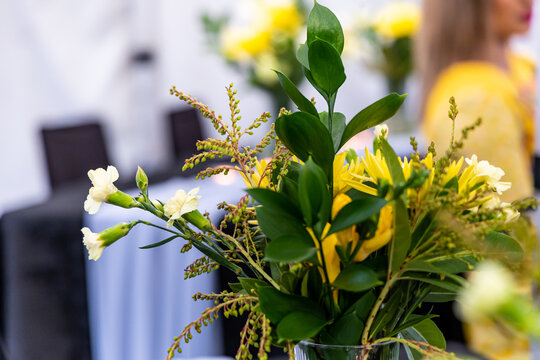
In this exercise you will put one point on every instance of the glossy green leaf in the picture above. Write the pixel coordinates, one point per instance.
(302, 55)
(300, 325)
(289, 249)
(313, 194)
(355, 212)
(399, 245)
(275, 224)
(347, 330)
(356, 277)
(431, 333)
(296, 96)
(323, 24)
(275, 201)
(338, 125)
(443, 284)
(394, 166)
(503, 246)
(362, 307)
(217, 257)
(276, 305)
(326, 66)
(414, 320)
(306, 136)
(372, 115)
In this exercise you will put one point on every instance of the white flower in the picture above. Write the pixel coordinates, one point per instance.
(180, 204)
(102, 181)
(381, 131)
(93, 243)
(491, 174)
(510, 213)
(490, 287)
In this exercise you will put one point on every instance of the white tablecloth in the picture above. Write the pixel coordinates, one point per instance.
(138, 299)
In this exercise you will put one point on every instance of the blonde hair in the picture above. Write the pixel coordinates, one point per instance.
(451, 31)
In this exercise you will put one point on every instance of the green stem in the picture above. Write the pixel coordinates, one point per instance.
(377, 306)
(330, 123)
(159, 227)
(250, 260)
(325, 271)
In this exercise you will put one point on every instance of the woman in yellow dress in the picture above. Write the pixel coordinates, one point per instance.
(463, 51)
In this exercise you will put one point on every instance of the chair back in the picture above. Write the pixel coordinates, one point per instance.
(185, 130)
(71, 151)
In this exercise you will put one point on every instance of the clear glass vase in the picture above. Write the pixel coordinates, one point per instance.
(306, 350)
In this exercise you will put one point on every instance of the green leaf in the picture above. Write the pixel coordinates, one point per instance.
(362, 307)
(372, 115)
(250, 284)
(302, 55)
(413, 320)
(159, 243)
(276, 305)
(347, 330)
(300, 325)
(326, 66)
(275, 224)
(313, 194)
(296, 96)
(423, 230)
(289, 249)
(443, 284)
(338, 125)
(399, 245)
(356, 277)
(306, 136)
(217, 257)
(323, 24)
(456, 266)
(275, 201)
(424, 266)
(394, 166)
(503, 246)
(430, 333)
(236, 287)
(355, 212)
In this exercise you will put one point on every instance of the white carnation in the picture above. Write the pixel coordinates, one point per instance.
(180, 204)
(102, 187)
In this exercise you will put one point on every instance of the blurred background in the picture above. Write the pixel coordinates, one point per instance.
(113, 63)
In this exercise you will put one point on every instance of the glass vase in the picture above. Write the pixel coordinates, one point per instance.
(306, 350)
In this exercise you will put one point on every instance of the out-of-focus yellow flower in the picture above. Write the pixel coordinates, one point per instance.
(285, 17)
(244, 44)
(383, 234)
(398, 20)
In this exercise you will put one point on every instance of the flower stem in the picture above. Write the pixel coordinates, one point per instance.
(377, 306)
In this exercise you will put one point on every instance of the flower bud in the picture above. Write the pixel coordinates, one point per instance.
(121, 199)
(141, 179)
(196, 218)
(110, 235)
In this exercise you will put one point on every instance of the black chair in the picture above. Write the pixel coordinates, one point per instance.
(72, 150)
(185, 128)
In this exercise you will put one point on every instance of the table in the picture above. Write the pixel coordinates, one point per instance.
(138, 299)
(45, 310)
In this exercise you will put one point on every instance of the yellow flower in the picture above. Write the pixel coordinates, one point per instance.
(372, 168)
(256, 180)
(398, 20)
(285, 17)
(244, 44)
(383, 234)
(343, 171)
(342, 238)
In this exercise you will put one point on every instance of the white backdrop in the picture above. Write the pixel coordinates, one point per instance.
(62, 60)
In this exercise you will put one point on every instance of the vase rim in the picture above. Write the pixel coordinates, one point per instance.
(326, 346)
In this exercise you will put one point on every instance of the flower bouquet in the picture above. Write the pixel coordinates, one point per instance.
(333, 251)
(268, 42)
(388, 42)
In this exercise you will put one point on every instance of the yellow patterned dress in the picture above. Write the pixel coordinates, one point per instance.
(504, 101)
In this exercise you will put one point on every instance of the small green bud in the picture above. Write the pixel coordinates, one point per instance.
(121, 199)
(141, 179)
(110, 235)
